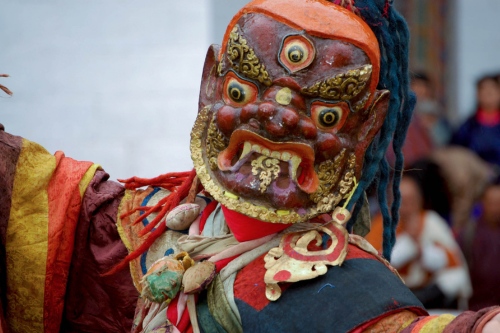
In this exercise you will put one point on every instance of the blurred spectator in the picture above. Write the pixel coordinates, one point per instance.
(429, 111)
(497, 77)
(428, 129)
(481, 132)
(426, 254)
(481, 246)
(465, 183)
(418, 144)
(434, 187)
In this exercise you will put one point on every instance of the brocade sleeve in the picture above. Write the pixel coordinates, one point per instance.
(96, 303)
(58, 235)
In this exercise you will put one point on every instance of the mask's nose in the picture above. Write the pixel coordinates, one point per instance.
(282, 113)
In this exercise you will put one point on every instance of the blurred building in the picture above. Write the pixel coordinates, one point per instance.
(455, 42)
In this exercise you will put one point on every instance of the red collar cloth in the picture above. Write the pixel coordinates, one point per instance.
(246, 228)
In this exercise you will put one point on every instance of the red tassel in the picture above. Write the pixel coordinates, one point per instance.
(386, 9)
(347, 4)
(172, 178)
(140, 250)
(206, 212)
(180, 182)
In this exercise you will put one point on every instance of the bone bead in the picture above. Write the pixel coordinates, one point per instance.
(181, 217)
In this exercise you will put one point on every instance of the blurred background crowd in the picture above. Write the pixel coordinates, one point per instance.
(448, 240)
(116, 82)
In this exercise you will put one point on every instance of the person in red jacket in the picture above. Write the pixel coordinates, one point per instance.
(480, 241)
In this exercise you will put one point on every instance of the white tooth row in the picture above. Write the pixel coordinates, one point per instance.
(283, 156)
(248, 147)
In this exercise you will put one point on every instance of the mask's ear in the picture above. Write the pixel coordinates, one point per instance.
(209, 77)
(376, 116)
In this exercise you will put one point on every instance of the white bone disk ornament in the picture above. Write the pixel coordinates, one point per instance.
(181, 217)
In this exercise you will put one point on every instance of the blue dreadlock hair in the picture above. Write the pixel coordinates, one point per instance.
(393, 36)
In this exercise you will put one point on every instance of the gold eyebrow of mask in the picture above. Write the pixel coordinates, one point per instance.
(341, 87)
(243, 59)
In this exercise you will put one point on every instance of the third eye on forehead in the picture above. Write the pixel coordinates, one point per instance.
(296, 53)
(268, 39)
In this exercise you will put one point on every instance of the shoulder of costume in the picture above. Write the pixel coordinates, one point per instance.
(364, 276)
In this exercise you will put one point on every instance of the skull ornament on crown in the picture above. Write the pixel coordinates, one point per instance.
(288, 107)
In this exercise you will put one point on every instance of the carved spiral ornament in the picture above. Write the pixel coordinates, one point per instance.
(244, 60)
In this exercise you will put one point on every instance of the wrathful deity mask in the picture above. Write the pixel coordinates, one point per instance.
(288, 107)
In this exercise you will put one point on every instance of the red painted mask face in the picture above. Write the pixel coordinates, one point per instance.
(285, 119)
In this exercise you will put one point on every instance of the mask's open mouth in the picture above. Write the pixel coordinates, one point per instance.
(299, 157)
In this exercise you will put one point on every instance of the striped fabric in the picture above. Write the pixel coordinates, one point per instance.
(45, 197)
(430, 324)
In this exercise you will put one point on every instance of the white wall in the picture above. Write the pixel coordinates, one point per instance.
(478, 47)
(222, 12)
(115, 82)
